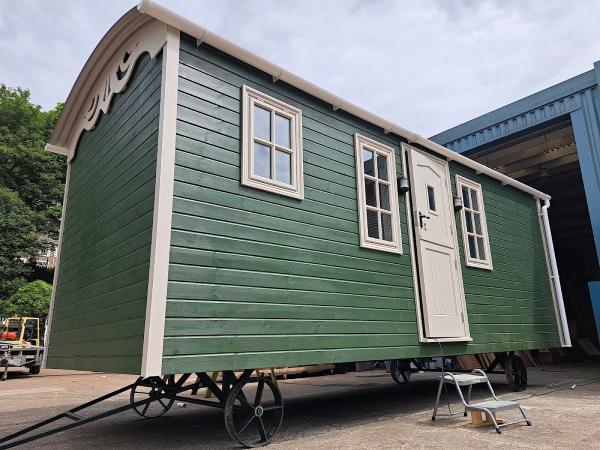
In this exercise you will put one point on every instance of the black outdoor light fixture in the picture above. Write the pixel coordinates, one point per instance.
(403, 185)
(457, 201)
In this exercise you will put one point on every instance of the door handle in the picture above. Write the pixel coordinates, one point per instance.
(421, 217)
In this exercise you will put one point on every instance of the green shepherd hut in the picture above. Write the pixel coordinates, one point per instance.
(224, 214)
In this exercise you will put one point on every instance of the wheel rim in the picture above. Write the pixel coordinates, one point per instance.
(401, 371)
(254, 412)
(150, 389)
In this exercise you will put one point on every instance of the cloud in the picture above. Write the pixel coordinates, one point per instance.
(425, 65)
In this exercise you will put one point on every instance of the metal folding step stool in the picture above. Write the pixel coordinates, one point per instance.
(489, 407)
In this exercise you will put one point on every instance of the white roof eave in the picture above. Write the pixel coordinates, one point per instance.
(159, 12)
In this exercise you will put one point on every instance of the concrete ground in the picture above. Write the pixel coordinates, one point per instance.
(354, 410)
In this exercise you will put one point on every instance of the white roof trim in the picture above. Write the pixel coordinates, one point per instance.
(149, 8)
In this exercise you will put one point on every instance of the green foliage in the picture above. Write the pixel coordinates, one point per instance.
(25, 167)
(18, 230)
(31, 184)
(18, 238)
(32, 300)
(23, 123)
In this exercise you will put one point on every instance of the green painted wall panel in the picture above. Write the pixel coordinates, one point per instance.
(258, 279)
(100, 305)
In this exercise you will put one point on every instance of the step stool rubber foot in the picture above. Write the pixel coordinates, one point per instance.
(433, 418)
(529, 424)
(465, 414)
(498, 431)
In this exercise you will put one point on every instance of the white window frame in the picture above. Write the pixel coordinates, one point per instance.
(394, 246)
(469, 260)
(251, 97)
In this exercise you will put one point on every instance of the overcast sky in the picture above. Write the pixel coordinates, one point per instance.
(425, 65)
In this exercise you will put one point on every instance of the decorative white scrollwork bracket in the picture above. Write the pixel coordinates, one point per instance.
(151, 39)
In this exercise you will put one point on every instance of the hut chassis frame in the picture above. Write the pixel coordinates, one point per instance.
(171, 388)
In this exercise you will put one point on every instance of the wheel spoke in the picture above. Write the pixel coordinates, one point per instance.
(247, 423)
(145, 408)
(259, 392)
(261, 430)
(243, 401)
(160, 400)
(243, 408)
(272, 408)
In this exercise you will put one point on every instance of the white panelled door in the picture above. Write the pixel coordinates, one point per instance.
(442, 294)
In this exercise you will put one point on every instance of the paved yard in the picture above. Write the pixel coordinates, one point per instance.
(355, 410)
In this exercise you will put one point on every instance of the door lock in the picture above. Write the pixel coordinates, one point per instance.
(421, 217)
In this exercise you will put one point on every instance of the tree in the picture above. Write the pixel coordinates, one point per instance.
(31, 185)
(25, 167)
(31, 300)
(18, 238)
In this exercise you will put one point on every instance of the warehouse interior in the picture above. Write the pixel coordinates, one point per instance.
(546, 158)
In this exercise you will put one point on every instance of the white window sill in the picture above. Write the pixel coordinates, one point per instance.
(435, 341)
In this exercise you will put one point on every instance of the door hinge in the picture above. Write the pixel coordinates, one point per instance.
(462, 315)
(455, 265)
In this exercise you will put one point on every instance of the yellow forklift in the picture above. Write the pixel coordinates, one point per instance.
(21, 345)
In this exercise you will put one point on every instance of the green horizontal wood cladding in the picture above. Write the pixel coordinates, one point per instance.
(258, 279)
(100, 305)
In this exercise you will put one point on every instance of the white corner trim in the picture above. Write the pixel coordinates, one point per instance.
(394, 246)
(56, 149)
(156, 302)
(56, 266)
(469, 261)
(113, 79)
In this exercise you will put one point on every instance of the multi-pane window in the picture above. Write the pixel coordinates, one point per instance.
(475, 234)
(378, 200)
(272, 145)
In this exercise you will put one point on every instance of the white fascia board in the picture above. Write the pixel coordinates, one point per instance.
(203, 35)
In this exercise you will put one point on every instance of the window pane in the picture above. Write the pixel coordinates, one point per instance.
(283, 129)
(465, 197)
(477, 218)
(480, 248)
(382, 171)
(370, 194)
(474, 202)
(386, 227)
(262, 160)
(384, 196)
(373, 224)
(368, 163)
(468, 219)
(431, 197)
(472, 247)
(262, 123)
(283, 167)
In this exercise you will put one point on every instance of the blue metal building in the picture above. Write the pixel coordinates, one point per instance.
(551, 141)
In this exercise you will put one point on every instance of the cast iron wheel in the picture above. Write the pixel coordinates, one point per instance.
(400, 370)
(516, 373)
(254, 414)
(151, 388)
